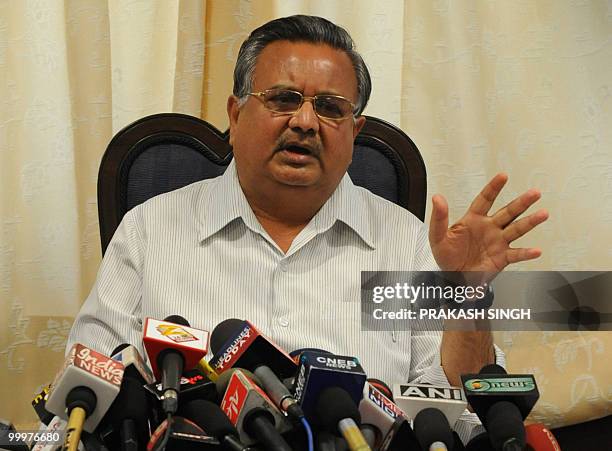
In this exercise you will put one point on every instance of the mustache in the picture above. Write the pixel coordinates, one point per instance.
(313, 145)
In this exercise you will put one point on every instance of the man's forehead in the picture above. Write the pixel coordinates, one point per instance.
(292, 64)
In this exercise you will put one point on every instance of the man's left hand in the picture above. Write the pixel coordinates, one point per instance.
(478, 242)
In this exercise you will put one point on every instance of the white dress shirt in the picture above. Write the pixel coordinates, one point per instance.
(201, 253)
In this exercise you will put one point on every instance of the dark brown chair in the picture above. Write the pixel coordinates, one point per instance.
(166, 151)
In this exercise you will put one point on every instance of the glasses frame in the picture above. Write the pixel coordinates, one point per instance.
(260, 95)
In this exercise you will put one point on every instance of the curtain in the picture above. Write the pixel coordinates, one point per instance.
(72, 73)
(480, 86)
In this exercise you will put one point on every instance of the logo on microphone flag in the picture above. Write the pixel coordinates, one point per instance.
(175, 333)
(500, 384)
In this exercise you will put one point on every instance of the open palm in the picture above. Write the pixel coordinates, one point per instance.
(479, 242)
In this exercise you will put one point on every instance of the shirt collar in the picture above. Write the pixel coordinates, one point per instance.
(348, 206)
(225, 202)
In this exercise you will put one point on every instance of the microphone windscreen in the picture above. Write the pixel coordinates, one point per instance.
(430, 425)
(131, 403)
(223, 332)
(540, 438)
(209, 417)
(177, 319)
(479, 443)
(493, 368)
(504, 422)
(335, 404)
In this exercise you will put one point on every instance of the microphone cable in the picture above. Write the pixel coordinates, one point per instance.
(154, 443)
(308, 429)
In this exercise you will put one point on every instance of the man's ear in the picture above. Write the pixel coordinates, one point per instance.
(358, 125)
(233, 111)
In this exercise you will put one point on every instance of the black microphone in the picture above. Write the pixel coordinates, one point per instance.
(125, 425)
(211, 418)
(505, 427)
(433, 431)
(338, 413)
(223, 332)
(517, 392)
(480, 442)
(256, 418)
(173, 346)
(318, 371)
(246, 347)
(392, 428)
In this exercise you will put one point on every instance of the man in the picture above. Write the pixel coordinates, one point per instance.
(280, 239)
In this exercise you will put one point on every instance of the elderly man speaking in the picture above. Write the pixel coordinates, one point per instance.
(282, 236)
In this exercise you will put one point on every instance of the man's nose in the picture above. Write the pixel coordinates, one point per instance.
(305, 118)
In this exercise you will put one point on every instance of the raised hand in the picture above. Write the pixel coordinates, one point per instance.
(478, 242)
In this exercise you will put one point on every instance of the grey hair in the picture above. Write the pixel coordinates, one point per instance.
(299, 28)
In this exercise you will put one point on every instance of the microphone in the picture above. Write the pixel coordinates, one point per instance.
(433, 431)
(370, 434)
(84, 388)
(493, 385)
(135, 366)
(223, 332)
(173, 346)
(318, 371)
(244, 346)
(224, 378)
(539, 438)
(125, 425)
(393, 430)
(412, 398)
(211, 419)
(337, 412)
(479, 443)
(258, 355)
(504, 424)
(381, 387)
(253, 414)
(326, 441)
(193, 385)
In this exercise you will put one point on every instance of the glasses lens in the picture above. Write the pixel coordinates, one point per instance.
(333, 107)
(282, 101)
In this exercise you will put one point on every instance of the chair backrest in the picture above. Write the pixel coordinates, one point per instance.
(166, 151)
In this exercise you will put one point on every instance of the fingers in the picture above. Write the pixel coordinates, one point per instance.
(483, 202)
(517, 207)
(522, 226)
(522, 254)
(439, 219)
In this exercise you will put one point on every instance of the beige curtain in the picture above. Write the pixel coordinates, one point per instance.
(481, 86)
(72, 73)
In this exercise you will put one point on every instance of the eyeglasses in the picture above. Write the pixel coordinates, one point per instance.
(286, 101)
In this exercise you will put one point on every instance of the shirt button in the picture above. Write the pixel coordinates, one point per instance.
(284, 322)
(283, 266)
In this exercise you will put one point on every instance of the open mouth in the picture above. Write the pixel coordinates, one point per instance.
(298, 149)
